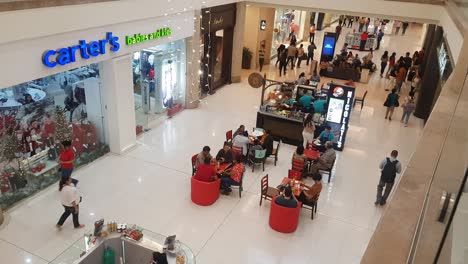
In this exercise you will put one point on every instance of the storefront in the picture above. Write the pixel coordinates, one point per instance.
(79, 86)
(287, 22)
(217, 29)
(159, 82)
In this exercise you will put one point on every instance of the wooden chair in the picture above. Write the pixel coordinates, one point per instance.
(258, 159)
(312, 207)
(194, 162)
(229, 136)
(360, 100)
(329, 171)
(236, 151)
(275, 151)
(298, 165)
(293, 174)
(267, 192)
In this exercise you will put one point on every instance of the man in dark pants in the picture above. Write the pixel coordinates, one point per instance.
(390, 167)
(310, 52)
(283, 59)
(379, 39)
(67, 161)
(292, 53)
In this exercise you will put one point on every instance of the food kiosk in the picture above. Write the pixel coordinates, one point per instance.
(285, 124)
(354, 41)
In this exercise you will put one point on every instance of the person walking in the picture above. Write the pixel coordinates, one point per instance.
(390, 103)
(261, 55)
(364, 36)
(350, 22)
(279, 50)
(362, 21)
(415, 84)
(405, 27)
(389, 167)
(391, 64)
(408, 108)
(283, 58)
(376, 25)
(300, 55)
(292, 52)
(383, 63)
(379, 38)
(400, 76)
(70, 199)
(310, 52)
(338, 31)
(367, 23)
(397, 26)
(67, 161)
(312, 33)
(309, 130)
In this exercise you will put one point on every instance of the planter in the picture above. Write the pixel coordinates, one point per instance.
(246, 63)
(2, 218)
(246, 58)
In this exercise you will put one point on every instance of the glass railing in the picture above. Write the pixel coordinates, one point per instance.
(12, 5)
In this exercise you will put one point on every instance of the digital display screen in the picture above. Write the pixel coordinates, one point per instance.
(328, 46)
(335, 110)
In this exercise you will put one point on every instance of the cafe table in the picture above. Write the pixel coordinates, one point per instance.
(311, 154)
(297, 188)
(221, 168)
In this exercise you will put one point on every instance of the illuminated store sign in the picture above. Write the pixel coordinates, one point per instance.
(139, 38)
(64, 56)
(340, 103)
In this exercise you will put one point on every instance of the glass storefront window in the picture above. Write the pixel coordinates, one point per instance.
(218, 68)
(287, 22)
(158, 81)
(35, 117)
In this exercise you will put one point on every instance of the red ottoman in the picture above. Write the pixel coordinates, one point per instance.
(205, 193)
(284, 219)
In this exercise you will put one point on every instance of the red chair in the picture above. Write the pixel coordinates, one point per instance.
(205, 193)
(298, 165)
(293, 174)
(284, 219)
(194, 161)
(229, 136)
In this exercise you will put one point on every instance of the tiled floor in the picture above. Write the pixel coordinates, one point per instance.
(150, 185)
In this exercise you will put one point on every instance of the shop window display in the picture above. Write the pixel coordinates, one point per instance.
(35, 117)
(287, 23)
(159, 81)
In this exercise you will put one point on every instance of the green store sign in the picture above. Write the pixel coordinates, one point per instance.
(139, 38)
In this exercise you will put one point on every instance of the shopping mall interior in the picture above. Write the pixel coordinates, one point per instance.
(108, 117)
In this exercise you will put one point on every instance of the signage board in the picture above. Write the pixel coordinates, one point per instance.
(262, 24)
(328, 47)
(340, 102)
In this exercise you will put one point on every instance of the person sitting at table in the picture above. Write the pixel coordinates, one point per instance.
(287, 103)
(232, 176)
(240, 130)
(302, 79)
(315, 77)
(287, 199)
(256, 146)
(225, 154)
(299, 154)
(205, 172)
(324, 161)
(203, 155)
(267, 142)
(241, 140)
(306, 101)
(310, 194)
(326, 135)
(319, 106)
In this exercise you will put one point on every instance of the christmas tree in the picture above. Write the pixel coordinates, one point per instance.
(62, 127)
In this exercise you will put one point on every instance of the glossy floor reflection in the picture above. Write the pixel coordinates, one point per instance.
(150, 185)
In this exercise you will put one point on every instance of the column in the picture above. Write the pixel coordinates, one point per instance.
(192, 95)
(237, 43)
(119, 104)
(306, 30)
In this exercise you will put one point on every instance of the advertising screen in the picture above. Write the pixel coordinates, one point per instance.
(328, 46)
(335, 110)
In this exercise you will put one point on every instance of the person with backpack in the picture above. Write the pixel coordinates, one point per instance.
(390, 103)
(389, 167)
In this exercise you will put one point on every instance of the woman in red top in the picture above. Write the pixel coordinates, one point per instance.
(364, 36)
(232, 176)
(67, 160)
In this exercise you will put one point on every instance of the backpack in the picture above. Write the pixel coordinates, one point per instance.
(389, 171)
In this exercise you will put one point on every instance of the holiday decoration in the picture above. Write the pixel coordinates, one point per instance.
(62, 127)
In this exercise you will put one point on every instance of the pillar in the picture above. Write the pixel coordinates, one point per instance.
(193, 90)
(119, 104)
(320, 18)
(238, 41)
(307, 24)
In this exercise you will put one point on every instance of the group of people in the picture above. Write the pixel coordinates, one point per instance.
(405, 69)
(294, 56)
(307, 103)
(206, 165)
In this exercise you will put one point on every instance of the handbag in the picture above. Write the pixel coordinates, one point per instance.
(386, 103)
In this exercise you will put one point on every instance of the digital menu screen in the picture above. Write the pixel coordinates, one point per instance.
(328, 46)
(335, 110)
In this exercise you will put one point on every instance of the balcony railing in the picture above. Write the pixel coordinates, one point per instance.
(11, 5)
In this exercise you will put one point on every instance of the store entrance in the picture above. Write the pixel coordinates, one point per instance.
(158, 82)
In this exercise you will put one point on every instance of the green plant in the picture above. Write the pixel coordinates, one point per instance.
(247, 54)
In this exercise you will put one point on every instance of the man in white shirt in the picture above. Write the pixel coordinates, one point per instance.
(242, 141)
(389, 167)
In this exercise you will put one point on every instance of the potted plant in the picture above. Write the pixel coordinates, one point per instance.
(246, 58)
